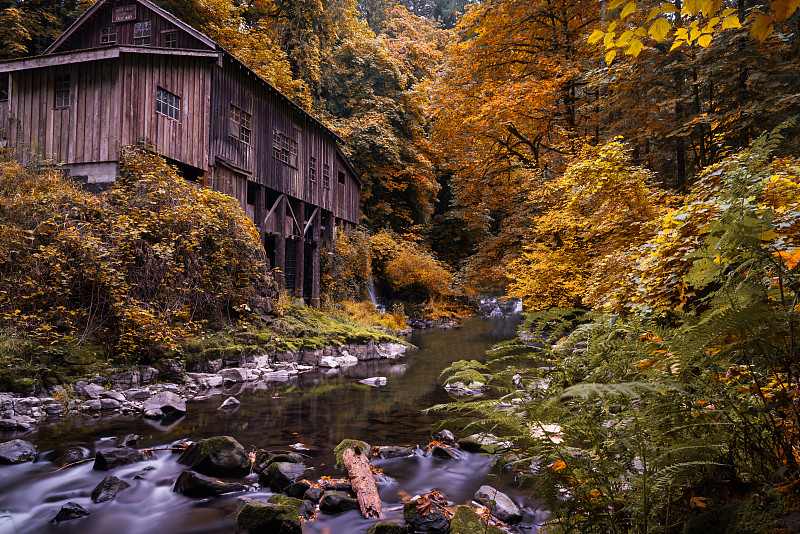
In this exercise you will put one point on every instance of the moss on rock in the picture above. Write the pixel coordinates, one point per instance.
(353, 444)
(468, 521)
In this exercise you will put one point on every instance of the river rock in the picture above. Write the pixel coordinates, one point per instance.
(230, 404)
(93, 391)
(13, 424)
(167, 402)
(297, 489)
(138, 394)
(443, 451)
(308, 509)
(71, 510)
(109, 404)
(17, 451)
(217, 456)
(111, 458)
(116, 395)
(501, 506)
(393, 451)
(93, 405)
(193, 484)
(279, 475)
(335, 502)
(235, 375)
(445, 436)
(468, 521)
(433, 522)
(66, 456)
(262, 517)
(387, 527)
(313, 494)
(108, 488)
(375, 381)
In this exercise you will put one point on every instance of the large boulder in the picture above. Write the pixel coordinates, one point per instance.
(335, 502)
(279, 475)
(262, 517)
(501, 506)
(425, 519)
(165, 403)
(194, 484)
(66, 456)
(111, 458)
(468, 521)
(17, 451)
(108, 488)
(387, 527)
(69, 511)
(217, 456)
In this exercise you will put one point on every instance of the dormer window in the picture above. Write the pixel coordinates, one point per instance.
(108, 35)
(141, 33)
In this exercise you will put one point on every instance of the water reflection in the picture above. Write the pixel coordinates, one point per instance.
(315, 409)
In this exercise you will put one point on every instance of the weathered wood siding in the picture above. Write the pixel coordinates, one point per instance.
(113, 103)
(140, 76)
(348, 194)
(85, 131)
(234, 84)
(89, 36)
(4, 107)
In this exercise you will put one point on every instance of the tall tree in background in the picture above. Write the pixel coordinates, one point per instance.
(506, 116)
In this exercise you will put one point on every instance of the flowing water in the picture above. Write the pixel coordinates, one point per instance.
(312, 412)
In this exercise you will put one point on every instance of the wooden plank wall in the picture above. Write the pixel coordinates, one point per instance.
(184, 140)
(4, 107)
(232, 84)
(54, 132)
(88, 36)
(113, 103)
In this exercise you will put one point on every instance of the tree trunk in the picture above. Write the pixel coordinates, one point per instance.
(363, 484)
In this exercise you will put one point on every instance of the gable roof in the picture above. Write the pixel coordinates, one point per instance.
(149, 5)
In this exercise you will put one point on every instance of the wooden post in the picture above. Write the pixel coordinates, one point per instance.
(300, 251)
(261, 211)
(363, 483)
(280, 243)
(315, 260)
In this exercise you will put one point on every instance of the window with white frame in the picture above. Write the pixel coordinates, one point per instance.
(239, 124)
(168, 104)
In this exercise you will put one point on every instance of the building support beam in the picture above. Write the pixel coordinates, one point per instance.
(300, 252)
(280, 242)
(316, 225)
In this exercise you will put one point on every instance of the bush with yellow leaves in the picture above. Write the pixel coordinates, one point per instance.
(136, 269)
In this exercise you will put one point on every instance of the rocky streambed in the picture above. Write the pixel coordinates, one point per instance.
(296, 420)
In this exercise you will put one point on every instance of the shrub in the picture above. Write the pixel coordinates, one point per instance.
(137, 268)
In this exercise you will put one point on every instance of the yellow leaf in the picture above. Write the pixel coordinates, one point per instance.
(615, 4)
(731, 21)
(624, 38)
(558, 465)
(610, 56)
(667, 7)
(612, 26)
(634, 48)
(676, 44)
(682, 34)
(640, 32)
(704, 41)
(691, 7)
(694, 34)
(627, 10)
(659, 30)
(596, 36)
(654, 13)
(784, 9)
(608, 40)
(762, 27)
(728, 11)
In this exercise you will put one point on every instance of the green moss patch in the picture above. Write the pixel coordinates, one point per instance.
(352, 444)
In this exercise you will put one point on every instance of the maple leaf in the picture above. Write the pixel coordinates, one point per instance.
(698, 502)
(424, 505)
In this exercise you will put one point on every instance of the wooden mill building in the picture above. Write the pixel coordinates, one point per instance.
(127, 71)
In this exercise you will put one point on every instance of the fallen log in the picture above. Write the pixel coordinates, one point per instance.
(358, 468)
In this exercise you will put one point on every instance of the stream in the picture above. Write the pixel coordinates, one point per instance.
(311, 414)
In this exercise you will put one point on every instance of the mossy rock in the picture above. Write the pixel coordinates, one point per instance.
(284, 457)
(216, 444)
(353, 444)
(468, 521)
(284, 500)
(741, 518)
(470, 444)
(387, 527)
(264, 517)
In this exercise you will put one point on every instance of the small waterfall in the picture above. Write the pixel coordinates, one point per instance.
(373, 295)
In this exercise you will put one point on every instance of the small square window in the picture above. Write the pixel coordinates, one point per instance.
(108, 35)
(141, 33)
(171, 40)
(62, 90)
(168, 104)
